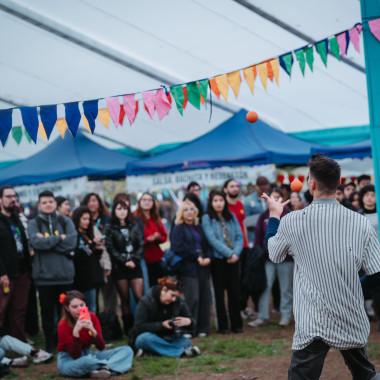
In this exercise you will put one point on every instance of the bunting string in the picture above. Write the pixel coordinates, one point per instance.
(161, 100)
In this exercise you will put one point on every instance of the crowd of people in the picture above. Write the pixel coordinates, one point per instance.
(100, 258)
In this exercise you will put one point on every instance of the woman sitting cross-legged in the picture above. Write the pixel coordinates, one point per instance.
(161, 317)
(76, 334)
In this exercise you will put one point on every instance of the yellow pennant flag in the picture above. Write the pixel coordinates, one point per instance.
(41, 131)
(222, 82)
(234, 80)
(276, 69)
(250, 78)
(104, 117)
(85, 122)
(61, 125)
(263, 73)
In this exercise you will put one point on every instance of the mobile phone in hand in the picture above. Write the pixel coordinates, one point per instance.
(84, 313)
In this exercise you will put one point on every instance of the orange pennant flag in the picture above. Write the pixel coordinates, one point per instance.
(214, 87)
(250, 77)
(270, 71)
(104, 117)
(222, 82)
(202, 99)
(85, 122)
(41, 131)
(61, 125)
(276, 69)
(234, 79)
(263, 73)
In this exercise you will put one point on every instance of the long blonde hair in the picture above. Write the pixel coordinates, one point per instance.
(179, 216)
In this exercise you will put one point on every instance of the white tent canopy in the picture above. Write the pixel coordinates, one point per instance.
(63, 51)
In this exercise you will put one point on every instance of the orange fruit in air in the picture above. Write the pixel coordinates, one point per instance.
(252, 117)
(296, 185)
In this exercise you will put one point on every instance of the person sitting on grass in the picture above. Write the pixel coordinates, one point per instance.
(161, 317)
(76, 334)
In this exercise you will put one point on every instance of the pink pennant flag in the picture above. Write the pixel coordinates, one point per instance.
(374, 26)
(342, 43)
(148, 97)
(359, 28)
(354, 38)
(114, 109)
(129, 105)
(162, 103)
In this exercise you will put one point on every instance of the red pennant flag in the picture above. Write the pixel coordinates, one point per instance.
(353, 179)
(301, 178)
(291, 177)
(122, 114)
(280, 178)
(342, 180)
(270, 71)
(185, 96)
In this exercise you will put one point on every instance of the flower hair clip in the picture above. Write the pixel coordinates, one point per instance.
(62, 298)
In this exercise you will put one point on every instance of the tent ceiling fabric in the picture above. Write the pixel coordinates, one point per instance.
(135, 44)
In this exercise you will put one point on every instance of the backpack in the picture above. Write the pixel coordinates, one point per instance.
(110, 324)
(170, 262)
(254, 277)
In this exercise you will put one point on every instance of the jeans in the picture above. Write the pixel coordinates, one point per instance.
(284, 272)
(153, 344)
(118, 360)
(90, 296)
(307, 364)
(9, 343)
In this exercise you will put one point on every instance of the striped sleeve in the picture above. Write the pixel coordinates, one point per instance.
(371, 255)
(278, 246)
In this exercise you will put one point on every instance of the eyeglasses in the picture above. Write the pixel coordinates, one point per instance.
(10, 196)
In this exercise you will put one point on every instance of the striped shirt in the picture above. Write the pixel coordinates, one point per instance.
(329, 244)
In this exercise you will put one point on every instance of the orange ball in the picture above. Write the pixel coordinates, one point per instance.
(296, 185)
(252, 117)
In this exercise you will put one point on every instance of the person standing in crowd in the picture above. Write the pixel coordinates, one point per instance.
(63, 206)
(15, 266)
(195, 188)
(76, 335)
(367, 201)
(53, 239)
(224, 235)
(295, 203)
(339, 196)
(161, 317)
(193, 198)
(363, 180)
(189, 242)
(286, 191)
(349, 188)
(329, 244)
(354, 199)
(125, 244)
(90, 257)
(154, 235)
(283, 271)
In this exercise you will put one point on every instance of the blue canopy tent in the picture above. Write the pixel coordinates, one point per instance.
(234, 142)
(360, 149)
(67, 158)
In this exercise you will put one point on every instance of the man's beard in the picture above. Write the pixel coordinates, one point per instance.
(233, 196)
(11, 209)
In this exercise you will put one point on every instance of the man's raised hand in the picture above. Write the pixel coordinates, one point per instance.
(275, 207)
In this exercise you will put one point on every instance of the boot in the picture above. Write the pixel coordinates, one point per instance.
(128, 321)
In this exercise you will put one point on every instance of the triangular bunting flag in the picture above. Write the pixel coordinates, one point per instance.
(262, 68)
(309, 53)
(354, 38)
(90, 109)
(184, 89)
(270, 71)
(129, 105)
(214, 87)
(113, 105)
(17, 134)
(276, 70)
(334, 47)
(148, 97)
(48, 116)
(359, 27)
(322, 49)
(27, 135)
(61, 125)
(342, 42)
(286, 62)
(72, 116)
(300, 56)
(203, 87)
(104, 117)
(194, 94)
(85, 122)
(5, 124)
(250, 78)
(30, 120)
(222, 82)
(374, 27)
(41, 131)
(234, 79)
(177, 93)
(121, 115)
(162, 104)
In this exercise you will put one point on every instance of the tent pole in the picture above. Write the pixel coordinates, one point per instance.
(370, 10)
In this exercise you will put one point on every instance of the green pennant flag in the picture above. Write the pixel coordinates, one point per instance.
(286, 62)
(203, 85)
(334, 47)
(300, 55)
(27, 135)
(322, 51)
(194, 94)
(177, 92)
(309, 56)
(17, 134)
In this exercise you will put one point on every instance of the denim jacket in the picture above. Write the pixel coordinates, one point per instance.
(214, 233)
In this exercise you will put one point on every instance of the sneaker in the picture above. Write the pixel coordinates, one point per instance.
(42, 356)
(202, 335)
(139, 353)
(100, 374)
(192, 351)
(20, 362)
(258, 322)
(284, 322)
(243, 314)
(188, 336)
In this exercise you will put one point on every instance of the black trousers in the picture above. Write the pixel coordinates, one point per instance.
(307, 364)
(226, 277)
(155, 272)
(49, 301)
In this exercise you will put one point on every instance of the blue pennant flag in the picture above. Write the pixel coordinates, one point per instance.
(48, 115)
(5, 124)
(90, 110)
(72, 117)
(30, 120)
